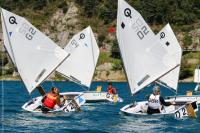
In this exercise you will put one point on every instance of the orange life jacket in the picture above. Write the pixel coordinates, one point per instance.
(50, 100)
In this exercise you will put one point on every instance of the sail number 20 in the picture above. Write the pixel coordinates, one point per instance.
(27, 30)
(140, 29)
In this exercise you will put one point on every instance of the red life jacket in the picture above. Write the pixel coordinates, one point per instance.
(112, 90)
(50, 100)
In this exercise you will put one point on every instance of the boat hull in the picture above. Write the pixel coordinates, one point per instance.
(140, 109)
(93, 96)
(74, 100)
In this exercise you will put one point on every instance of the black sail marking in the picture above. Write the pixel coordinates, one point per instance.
(167, 43)
(122, 25)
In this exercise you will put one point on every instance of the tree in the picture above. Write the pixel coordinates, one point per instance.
(115, 53)
(108, 11)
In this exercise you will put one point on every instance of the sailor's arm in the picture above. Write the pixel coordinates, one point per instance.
(162, 101)
(41, 90)
(58, 100)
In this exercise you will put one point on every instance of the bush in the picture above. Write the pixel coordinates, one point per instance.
(107, 73)
(185, 73)
(103, 58)
(65, 9)
(108, 11)
(63, 5)
(101, 38)
(115, 52)
(39, 4)
(117, 64)
(187, 40)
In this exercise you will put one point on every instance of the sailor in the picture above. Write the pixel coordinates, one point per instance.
(156, 101)
(110, 89)
(52, 99)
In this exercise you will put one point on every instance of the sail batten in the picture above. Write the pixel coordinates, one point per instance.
(80, 66)
(34, 65)
(145, 58)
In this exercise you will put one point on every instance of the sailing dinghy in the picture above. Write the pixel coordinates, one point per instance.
(145, 58)
(189, 97)
(80, 66)
(35, 57)
(170, 80)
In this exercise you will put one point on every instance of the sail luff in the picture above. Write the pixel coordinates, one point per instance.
(11, 49)
(121, 50)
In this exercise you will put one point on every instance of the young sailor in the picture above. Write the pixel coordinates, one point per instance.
(110, 89)
(156, 101)
(52, 99)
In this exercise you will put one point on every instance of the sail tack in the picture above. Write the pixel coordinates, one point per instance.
(84, 53)
(34, 54)
(167, 37)
(145, 58)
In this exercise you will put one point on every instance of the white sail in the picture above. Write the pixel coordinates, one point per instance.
(80, 66)
(35, 55)
(197, 76)
(166, 35)
(145, 59)
(6, 39)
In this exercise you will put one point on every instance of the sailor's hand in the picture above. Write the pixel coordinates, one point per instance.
(65, 97)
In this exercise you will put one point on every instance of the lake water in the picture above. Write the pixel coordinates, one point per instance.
(95, 117)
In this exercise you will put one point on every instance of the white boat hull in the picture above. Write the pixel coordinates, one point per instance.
(35, 104)
(140, 109)
(93, 96)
